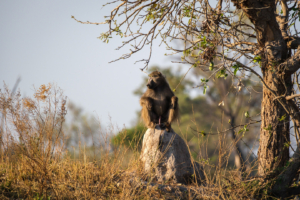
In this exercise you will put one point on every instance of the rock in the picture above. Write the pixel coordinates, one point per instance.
(166, 155)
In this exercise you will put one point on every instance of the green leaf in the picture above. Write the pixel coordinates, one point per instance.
(186, 52)
(269, 128)
(203, 42)
(204, 90)
(243, 130)
(247, 114)
(222, 74)
(202, 133)
(282, 118)
(236, 68)
(286, 145)
(203, 80)
(211, 66)
(205, 86)
(292, 24)
(257, 59)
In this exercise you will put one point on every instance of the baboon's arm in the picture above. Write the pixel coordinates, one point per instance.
(173, 110)
(147, 114)
(147, 102)
(174, 102)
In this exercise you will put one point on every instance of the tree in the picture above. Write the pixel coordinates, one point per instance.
(212, 32)
(82, 130)
(198, 112)
(238, 106)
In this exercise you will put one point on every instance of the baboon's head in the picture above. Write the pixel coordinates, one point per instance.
(155, 79)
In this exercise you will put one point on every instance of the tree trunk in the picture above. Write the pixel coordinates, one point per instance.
(274, 134)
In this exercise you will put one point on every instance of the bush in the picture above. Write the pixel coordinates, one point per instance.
(131, 137)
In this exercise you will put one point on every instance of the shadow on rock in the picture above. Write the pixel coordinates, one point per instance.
(166, 158)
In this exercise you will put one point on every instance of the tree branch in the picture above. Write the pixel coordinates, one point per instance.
(264, 21)
(292, 64)
(292, 96)
(292, 42)
(283, 20)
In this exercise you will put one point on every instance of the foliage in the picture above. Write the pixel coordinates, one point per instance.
(131, 137)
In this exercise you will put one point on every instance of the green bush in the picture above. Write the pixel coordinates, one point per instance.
(131, 137)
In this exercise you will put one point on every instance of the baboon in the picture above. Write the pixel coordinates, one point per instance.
(159, 104)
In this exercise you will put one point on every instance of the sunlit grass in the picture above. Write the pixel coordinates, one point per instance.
(35, 164)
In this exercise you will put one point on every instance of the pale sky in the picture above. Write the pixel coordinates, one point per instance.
(41, 43)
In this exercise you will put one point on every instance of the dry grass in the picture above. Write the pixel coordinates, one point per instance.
(34, 163)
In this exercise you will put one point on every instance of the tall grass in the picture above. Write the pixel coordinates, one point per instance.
(35, 164)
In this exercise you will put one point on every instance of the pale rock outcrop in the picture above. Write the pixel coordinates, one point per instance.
(165, 155)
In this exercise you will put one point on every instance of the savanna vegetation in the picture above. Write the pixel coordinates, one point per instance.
(233, 38)
(243, 57)
(45, 155)
(37, 161)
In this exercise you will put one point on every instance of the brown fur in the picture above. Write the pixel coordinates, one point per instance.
(159, 101)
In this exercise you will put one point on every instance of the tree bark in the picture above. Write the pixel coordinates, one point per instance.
(274, 134)
(292, 168)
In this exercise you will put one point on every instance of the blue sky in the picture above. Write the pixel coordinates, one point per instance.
(41, 43)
